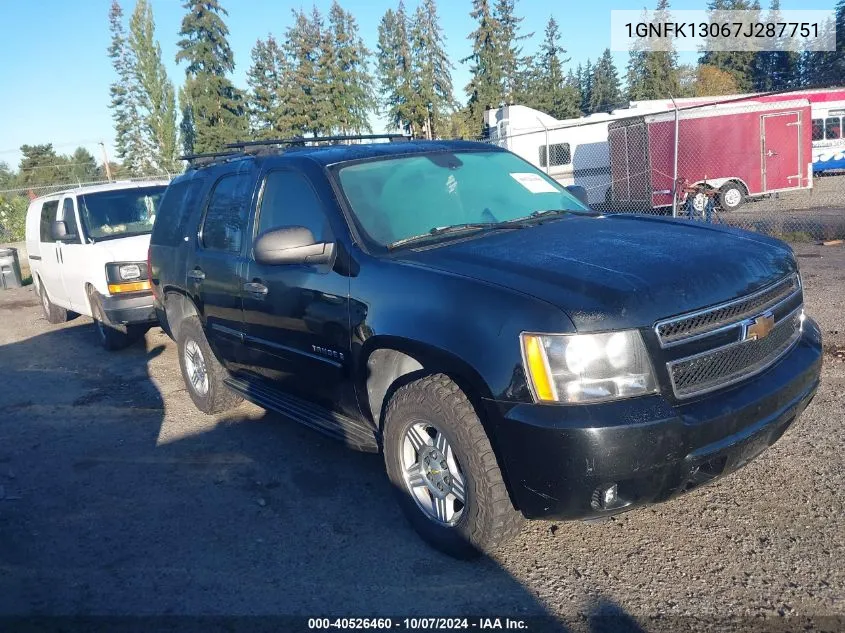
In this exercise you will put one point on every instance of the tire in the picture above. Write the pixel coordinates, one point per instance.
(486, 519)
(210, 394)
(53, 313)
(731, 196)
(113, 337)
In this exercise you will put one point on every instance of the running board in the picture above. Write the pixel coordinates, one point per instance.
(354, 434)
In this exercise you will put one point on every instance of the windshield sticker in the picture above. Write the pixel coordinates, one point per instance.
(534, 183)
(451, 183)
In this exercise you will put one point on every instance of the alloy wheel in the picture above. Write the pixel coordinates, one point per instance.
(432, 473)
(195, 368)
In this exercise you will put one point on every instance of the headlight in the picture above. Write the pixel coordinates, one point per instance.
(128, 272)
(127, 277)
(578, 368)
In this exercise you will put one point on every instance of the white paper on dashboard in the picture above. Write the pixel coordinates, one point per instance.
(534, 183)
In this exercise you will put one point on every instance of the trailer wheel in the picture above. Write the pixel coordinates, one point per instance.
(731, 196)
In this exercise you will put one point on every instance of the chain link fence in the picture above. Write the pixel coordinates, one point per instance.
(768, 163)
(14, 202)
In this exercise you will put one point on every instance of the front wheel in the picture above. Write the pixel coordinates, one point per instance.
(203, 374)
(444, 471)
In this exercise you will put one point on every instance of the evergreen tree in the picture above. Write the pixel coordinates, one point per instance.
(606, 93)
(129, 137)
(157, 99)
(510, 51)
(302, 49)
(740, 64)
(83, 167)
(654, 74)
(550, 90)
(350, 84)
(826, 68)
(485, 87)
(586, 87)
(324, 118)
(212, 107)
(268, 79)
(433, 76)
(40, 165)
(396, 70)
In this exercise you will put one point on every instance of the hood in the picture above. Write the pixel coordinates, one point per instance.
(124, 249)
(620, 271)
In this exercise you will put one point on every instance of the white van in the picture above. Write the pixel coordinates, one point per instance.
(88, 251)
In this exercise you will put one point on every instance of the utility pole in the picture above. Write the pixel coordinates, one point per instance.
(106, 161)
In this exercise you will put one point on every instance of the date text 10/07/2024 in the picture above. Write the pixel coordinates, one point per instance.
(419, 624)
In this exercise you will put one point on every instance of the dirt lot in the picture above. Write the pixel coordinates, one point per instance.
(118, 498)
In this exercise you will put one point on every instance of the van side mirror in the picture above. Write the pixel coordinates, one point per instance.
(59, 231)
(292, 245)
(579, 192)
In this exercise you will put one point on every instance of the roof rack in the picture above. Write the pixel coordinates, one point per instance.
(192, 157)
(303, 140)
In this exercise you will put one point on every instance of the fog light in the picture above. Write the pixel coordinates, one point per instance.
(609, 496)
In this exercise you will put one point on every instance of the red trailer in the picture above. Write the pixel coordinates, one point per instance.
(744, 150)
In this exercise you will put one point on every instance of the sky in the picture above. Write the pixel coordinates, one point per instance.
(55, 74)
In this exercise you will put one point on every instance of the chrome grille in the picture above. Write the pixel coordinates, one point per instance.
(729, 364)
(698, 324)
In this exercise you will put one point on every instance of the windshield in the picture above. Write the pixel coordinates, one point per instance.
(121, 212)
(398, 198)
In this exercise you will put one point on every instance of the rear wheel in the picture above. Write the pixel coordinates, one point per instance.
(444, 471)
(203, 374)
(53, 313)
(731, 196)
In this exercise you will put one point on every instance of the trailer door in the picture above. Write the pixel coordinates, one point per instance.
(781, 151)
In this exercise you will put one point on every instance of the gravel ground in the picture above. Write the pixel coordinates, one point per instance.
(118, 498)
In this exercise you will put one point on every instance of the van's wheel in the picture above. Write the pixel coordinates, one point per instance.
(112, 337)
(53, 313)
(444, 471)
(731, 196)
(202, 372)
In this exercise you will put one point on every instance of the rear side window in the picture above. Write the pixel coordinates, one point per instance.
(559, 154)
(174, 211)
(226, 214)
(290, 200)
(818, 129)
(48, 216)
(832, 128)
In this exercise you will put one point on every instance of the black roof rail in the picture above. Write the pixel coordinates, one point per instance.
(192, 157)
(303, 140)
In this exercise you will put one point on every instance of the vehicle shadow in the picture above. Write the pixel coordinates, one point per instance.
(118, 498)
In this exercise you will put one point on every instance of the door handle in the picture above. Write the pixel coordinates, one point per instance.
(196, 274)
(771, 153)
(257, 289)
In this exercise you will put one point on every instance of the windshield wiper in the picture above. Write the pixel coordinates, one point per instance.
(457, 228)
(546, 213)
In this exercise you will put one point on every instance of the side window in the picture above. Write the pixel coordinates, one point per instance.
(179, 200)
(226, 214)
(69, 217)
(832, 128)
(818, 129)
(290, 200)
(559, 154)
(48, 215)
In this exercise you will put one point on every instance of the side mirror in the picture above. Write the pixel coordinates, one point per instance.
(579, 192)
(292, 245)
(59, 231)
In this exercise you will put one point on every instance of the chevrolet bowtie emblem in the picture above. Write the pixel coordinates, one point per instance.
(759, 327)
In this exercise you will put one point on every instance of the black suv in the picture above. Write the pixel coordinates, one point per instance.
(511, 352)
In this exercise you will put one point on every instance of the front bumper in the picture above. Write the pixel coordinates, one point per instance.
(556, 457)
(134, 309)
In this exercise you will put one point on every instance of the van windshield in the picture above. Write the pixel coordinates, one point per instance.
(120, 213)
(395, 199)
